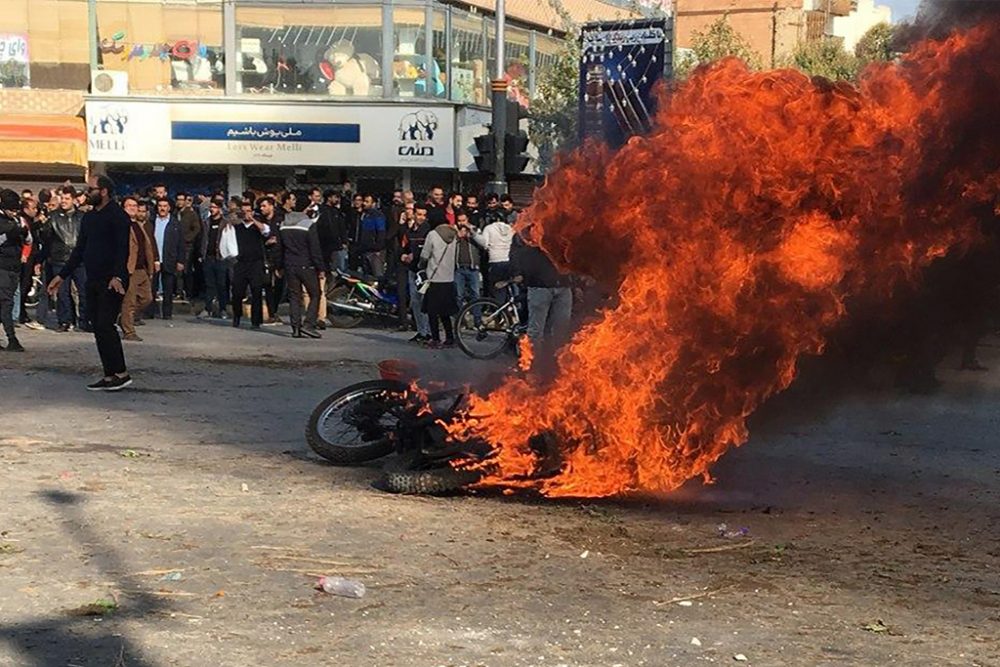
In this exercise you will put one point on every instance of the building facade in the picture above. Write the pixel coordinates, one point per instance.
(267, 93)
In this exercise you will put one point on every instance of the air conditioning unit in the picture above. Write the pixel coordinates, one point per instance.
(111, 83)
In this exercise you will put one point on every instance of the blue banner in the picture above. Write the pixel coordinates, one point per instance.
(620, 64)
(326, 133)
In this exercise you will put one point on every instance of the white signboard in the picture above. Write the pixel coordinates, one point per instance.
(390, 135)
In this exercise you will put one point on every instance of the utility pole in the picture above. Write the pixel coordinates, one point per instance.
(499, 99)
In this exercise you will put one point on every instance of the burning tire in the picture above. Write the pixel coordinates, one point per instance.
(355, 424)
(340, 318)
(399, 476)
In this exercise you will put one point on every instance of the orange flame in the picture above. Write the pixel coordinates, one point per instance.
(739, 232)
(525, 354)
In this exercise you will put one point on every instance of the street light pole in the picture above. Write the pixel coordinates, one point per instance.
(499, 99)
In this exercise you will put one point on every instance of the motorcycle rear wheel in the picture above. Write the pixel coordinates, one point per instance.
(338, 441)
(399, 476)
(341, 319)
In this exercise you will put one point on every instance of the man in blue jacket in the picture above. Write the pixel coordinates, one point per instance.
(103, 249)
(371, 237)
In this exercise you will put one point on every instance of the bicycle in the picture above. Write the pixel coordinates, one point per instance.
(486, 328)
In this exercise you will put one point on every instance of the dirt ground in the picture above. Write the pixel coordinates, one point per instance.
(189, 515)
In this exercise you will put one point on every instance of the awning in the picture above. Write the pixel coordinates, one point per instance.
(43, 139)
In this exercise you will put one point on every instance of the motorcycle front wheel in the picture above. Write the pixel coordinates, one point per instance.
(357, 423)
(340, 318)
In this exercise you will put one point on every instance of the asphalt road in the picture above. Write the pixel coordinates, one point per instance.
(190, 517)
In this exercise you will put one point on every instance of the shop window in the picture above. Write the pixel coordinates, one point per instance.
(310, 50)
(414, 74)
(518, 62)
(548, 50)
(167, 46)
(469, 79)
(42, 44)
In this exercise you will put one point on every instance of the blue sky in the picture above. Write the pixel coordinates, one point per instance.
(901, 9)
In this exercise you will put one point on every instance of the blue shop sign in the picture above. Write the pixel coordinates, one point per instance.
(327, 133)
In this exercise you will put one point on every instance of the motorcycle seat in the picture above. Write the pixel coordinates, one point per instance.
(358, 276)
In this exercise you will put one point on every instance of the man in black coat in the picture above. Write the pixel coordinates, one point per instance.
(103, 248)
(11, 239)
(302, 259)
(168, 243)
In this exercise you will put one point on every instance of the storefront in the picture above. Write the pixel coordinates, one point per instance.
(41, 150)
(207, 144)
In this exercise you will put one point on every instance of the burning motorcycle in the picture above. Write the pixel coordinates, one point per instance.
(351, 297)
(369, 420)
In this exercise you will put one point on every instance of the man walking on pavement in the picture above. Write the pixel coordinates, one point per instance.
(11, 240)
(190, 223)
(142, 265)
(103, 248)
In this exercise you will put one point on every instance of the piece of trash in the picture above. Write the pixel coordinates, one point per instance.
(685, 603)
(695, 641)
(219, 594)
(347, 588)
(877, 627)
(129, 454)
(739, 657)
(172, 576)
(100, 607)
(585, 554)
(244, 487)
(724, 531)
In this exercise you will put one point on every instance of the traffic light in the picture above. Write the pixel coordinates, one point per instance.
(515, 140)
(514, 146)
(486, 161)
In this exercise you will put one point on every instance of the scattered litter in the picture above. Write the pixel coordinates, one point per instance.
(585, 554)
(739, 657)
(347, 588)
(219, 594)
(724, 531)
(172, 576)
(695, 641)
(685, 603)
(129, 454)
(878, 627)
(100, 607)
(244, 487)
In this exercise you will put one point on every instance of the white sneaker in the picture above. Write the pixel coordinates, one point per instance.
(34, 326)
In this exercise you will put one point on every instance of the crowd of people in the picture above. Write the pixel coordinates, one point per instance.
(241, 257)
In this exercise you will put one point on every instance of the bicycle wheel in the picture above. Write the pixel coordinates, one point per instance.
(356, 423)
(340, 318)
(491, 336)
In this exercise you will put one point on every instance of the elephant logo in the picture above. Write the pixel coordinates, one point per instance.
(111, 122)
(418, 126)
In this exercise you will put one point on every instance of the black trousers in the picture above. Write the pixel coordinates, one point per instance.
(104, 306)
(274, 290)
(249, 274)
(27, 277)
(169, 281)
(299, 277)
(8, 285)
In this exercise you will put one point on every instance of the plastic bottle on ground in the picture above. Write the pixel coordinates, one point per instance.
(347, 588)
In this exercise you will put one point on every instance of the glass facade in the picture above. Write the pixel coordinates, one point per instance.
(42, 45)
(396, 49)
(469, 79)
(167, 47)
(331, 50)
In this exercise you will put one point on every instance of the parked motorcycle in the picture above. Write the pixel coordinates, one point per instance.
(351, 297)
